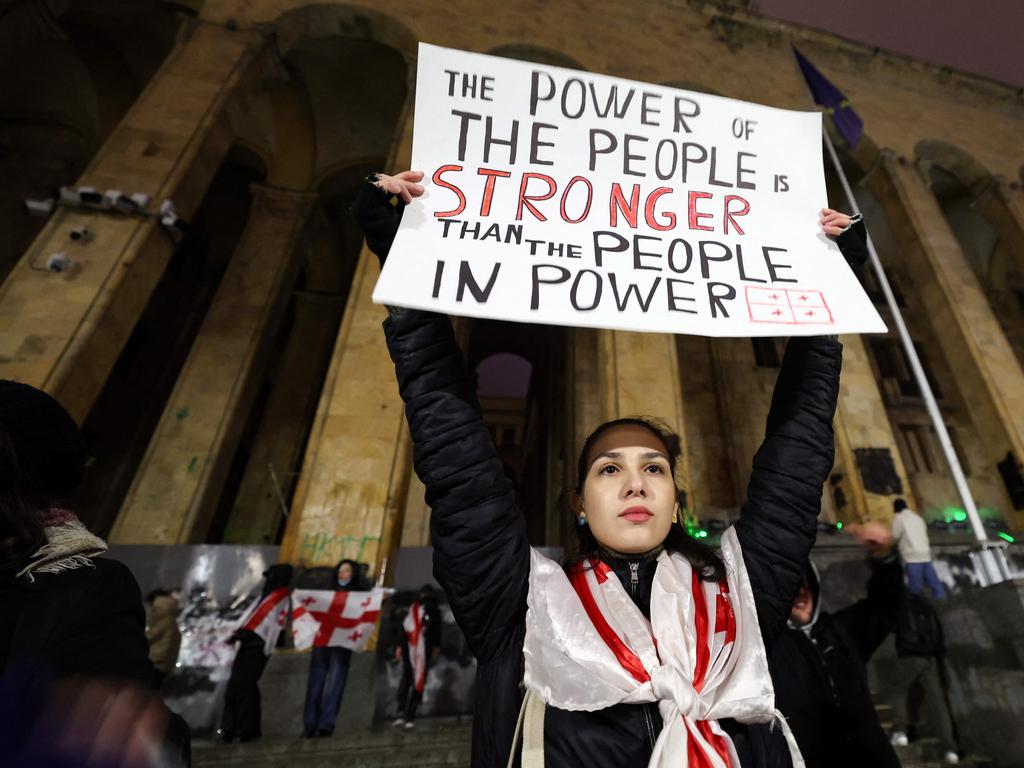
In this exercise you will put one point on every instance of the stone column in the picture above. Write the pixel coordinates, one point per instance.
(63, 332)
(865, 444)
(352, 489)
(180, 479)
(640, 377)
(271, 472)
(986, 369)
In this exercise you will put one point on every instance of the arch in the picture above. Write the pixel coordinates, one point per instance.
(504, 374)
(321, 20)
(690, 85)
(536, 54)
(351, 117)
(958, 166)
(68, 72)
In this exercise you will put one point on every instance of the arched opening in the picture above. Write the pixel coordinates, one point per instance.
(330, 129)
(961, 185)
(520, 372)
(68, 76)
(122, 421)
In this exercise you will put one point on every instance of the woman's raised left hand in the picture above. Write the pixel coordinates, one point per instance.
(833, 222)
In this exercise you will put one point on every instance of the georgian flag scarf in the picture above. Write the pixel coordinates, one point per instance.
(700, 657)
(417, 644)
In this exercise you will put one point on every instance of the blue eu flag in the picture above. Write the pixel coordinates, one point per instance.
(847, 122)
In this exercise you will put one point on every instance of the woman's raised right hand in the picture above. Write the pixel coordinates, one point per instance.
(403, 184)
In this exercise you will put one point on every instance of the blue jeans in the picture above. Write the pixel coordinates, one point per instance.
(920, 574)
(328, 671)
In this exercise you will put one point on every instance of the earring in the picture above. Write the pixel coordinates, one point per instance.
(675, 516)
(582, 519)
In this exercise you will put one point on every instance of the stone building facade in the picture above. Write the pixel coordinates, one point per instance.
(233, 383)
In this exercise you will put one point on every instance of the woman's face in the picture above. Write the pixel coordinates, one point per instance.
(345, 573)
(628, 494)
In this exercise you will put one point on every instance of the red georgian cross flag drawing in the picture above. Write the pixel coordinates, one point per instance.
(267, 617)
(325, 617)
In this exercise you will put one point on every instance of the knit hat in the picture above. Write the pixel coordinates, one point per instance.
(47, 444)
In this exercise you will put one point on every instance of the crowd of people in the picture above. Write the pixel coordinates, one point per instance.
(642, 646)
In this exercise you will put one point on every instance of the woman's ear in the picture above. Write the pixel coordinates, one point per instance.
(575, 502)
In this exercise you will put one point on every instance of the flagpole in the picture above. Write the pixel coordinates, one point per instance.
(993, 565)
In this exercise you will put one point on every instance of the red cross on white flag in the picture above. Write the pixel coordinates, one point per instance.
(326, 617)
(267, 617)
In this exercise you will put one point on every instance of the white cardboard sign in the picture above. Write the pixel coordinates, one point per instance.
(562, 197)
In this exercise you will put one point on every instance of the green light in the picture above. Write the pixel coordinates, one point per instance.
(839, 525)
(701, 534)
(1007, 537)
(959, 515)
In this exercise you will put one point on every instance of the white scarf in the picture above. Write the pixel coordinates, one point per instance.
(700, 657)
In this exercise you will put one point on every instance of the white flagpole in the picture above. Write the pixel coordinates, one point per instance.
(994, 565)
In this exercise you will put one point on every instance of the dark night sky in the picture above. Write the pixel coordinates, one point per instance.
(979, 36)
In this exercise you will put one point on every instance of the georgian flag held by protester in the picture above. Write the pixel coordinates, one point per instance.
(416, 641)
(325, 617)
(267, 617)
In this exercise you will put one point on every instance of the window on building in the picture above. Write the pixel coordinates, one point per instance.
(917, 449)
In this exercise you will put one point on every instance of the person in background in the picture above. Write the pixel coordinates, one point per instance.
(911, 534)
(920, 646)
(75, 672)
(328, 668)
(818, 665)
(422, 627)
(162, 632)
(256, 637)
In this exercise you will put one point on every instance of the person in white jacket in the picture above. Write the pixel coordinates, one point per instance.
(911, 534)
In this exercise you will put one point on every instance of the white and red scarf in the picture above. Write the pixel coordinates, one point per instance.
(268, 616)
(700, 657)
(417, 644)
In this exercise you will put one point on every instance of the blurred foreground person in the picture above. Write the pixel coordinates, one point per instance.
(819, 663)
(76, 684)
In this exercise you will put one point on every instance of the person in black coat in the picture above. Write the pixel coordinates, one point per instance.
(73, 626)
(242, 712)
(481, 555)
(819, 663)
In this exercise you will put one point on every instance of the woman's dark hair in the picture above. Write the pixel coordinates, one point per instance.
(21, 523)
(702, 558)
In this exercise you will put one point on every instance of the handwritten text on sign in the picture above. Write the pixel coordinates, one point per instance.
(563, 197)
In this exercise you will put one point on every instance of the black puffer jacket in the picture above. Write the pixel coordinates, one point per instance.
(820, 676)
(481, 554)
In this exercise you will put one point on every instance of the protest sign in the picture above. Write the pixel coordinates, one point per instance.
(563, 197)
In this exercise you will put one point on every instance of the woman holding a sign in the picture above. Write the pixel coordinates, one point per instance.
(644, 647)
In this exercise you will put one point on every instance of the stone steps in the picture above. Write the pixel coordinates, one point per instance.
(429, 745)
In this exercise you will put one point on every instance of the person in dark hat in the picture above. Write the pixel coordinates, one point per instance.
(257, 637)
(70, 616)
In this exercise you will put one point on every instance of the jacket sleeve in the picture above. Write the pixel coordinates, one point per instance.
(481, 554)
(870, 620)
(778, 521)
